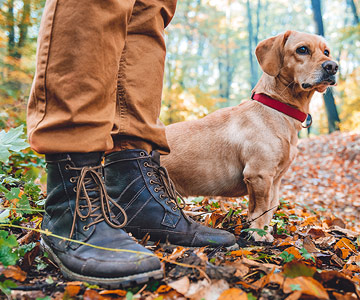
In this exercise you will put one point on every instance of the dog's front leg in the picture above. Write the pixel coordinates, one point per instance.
(259, 187)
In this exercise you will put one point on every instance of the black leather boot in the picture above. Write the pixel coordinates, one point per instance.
(142, 187)
(78, 207)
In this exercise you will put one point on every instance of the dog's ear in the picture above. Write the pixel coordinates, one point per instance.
(269, 53)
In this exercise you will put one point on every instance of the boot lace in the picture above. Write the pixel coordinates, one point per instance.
(98, 207)
(165, 184)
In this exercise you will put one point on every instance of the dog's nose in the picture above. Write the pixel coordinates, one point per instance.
(330, 67)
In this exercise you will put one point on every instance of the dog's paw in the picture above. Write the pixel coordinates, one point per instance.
(267, 238)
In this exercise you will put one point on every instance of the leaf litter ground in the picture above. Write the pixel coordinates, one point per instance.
(315, 254)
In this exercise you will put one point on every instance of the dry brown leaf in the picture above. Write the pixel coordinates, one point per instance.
(178, 252)
(14, 272)
(72, 290)
(92, 295)
(240, 252)
(308, 285)
(316, 232)
(312, 220)
(120, 293)
(232, 294)
(294, 251)
(206, 290)
(163, 289)
(309, 245)
(346, 247)
(181, 285)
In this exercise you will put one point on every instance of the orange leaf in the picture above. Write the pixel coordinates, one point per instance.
(346, 247)
(240, 252)
(233, 293)
(120, 293)
(163, 289)
(309, 221)
(72, 290)
(294, 251)
(308, 285)
(14, 272)
(92, 295)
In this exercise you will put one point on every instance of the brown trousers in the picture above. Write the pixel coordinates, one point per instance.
(99, 76)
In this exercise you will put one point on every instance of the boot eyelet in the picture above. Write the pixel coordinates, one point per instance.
(174, 208)
(152, 181)
(156, 190)
(146, 164)
(148, 174)
(162, 196)
(168, 202)
(75, 189)
(86, 228)
(67, 167)
(72, 179)
(142, 153)
(83, 219)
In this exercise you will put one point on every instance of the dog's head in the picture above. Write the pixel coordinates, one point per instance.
(298, 57)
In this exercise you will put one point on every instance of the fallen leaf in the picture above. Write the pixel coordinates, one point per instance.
(294, 251)
(345, 246)
(120, 293)
(240, 253)
(308, 286)
(232, 294)
(298, 268)
(72, 290)
(206, 290)
(14, 272)
(162, 289)
(181, 285)
(92, 295)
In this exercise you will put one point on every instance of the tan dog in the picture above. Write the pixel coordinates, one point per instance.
(246, 149)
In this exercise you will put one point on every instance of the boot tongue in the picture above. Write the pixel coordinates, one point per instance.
(155, 157)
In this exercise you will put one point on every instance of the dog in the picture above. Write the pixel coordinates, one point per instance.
(246, 149)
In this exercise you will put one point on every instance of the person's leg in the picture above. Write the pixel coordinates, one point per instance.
(72, 102)
(70, 117)
(134, 178)
(140, 78)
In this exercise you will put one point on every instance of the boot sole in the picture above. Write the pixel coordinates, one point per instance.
(110, 283)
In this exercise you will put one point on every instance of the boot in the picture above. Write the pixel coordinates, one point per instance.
(137, 182)
(77, 207)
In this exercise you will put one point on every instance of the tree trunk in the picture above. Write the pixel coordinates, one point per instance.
(253, 75)
(352, 5)
(10, 24)
(331, 111)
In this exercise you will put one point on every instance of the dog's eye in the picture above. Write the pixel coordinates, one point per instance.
(302, 50)
(326, 52)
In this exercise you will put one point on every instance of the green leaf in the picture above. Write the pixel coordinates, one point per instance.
(7, 255)
(11, 141)
(6, 286)
(297, 268)
(6, 240)
(305, 254)
(287, 257)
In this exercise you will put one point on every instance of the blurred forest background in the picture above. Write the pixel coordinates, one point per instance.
(210, 60)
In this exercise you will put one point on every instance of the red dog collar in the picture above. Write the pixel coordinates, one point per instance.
(282, 107)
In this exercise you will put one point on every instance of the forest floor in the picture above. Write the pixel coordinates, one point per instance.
(315, 254)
